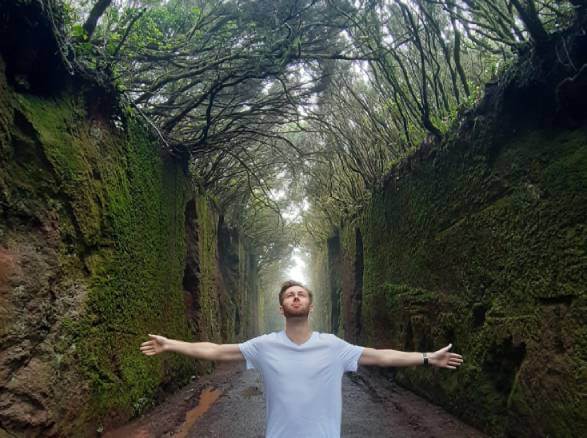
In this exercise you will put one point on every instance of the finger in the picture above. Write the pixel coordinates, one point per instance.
(451, 368)
(456, 355)
(144, 344)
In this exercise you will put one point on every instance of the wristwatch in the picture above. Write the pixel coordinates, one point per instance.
(425, 356)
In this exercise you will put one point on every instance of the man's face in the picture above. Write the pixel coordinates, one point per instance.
(296, 302)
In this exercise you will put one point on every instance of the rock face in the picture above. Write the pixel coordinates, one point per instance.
(481, 242)
(102, 240)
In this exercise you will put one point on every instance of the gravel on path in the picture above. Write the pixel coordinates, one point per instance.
(230, 403)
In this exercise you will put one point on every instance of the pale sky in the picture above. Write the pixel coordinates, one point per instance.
(298, 270)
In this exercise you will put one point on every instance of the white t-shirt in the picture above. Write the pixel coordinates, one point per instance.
(303, 383)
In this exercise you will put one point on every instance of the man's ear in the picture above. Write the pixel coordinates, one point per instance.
(281, 309)
(311, 307)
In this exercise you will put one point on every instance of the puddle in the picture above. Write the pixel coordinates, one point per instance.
(207, 399)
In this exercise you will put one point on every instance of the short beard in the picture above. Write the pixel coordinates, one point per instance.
(302, 312)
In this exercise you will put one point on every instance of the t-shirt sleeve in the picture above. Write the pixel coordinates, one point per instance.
(348, 354)
(251, 350)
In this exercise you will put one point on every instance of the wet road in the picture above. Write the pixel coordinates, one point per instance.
(372, 407)
(230, 403)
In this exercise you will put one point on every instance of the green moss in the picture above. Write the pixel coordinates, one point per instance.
(208, 272)
(485, 247)
(65, 146)
(568, 172)
(397, 293)
(135, 285)
(125, 207)
(113, 210)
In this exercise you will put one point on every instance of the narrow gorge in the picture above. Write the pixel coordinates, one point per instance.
(476, 236)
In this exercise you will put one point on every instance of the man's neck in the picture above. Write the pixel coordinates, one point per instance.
(298, 329)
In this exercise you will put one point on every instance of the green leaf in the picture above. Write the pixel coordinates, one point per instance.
(77, 31)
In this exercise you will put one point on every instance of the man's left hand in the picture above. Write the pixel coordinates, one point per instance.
(445, 359)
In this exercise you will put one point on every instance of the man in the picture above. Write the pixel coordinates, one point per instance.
(302, 370)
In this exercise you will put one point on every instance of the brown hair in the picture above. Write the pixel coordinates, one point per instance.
(289, 283)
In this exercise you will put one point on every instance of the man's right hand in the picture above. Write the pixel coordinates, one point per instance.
(199, 350)
(155, 345)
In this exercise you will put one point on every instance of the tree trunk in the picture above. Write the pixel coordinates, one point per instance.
(95, 14)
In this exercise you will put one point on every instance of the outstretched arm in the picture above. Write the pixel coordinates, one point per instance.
(393, 358)
(200, 350)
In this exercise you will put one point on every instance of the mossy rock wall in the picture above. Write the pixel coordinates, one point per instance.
(334, 283)
(482, 242)
(505, 283)
(238, 284)
(102, 240)
(319, 284)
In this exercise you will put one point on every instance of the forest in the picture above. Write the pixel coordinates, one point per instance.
(166, 164)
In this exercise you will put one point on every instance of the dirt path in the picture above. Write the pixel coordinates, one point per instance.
(230, 403)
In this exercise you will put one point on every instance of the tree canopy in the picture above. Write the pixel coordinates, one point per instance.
(323, 97)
